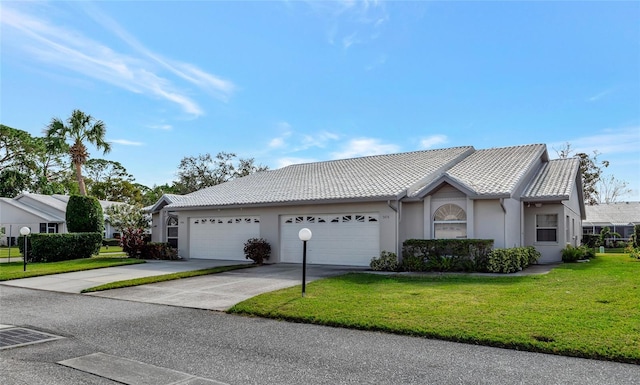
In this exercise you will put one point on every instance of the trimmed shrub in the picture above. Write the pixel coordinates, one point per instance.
(21, 246)
(511, 260)
(257, 249)
(84, 215)
(387, 261)
(446, 254)
(63, 247)
(158, 250)
(636, 236)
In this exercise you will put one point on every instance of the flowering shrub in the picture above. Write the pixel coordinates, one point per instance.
(132, 241)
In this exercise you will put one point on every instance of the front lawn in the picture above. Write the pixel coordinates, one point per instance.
(589, 310)
(14, 270)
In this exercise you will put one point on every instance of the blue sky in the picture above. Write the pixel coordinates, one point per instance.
(295, 81)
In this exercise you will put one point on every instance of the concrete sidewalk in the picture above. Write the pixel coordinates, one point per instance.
(77, 281)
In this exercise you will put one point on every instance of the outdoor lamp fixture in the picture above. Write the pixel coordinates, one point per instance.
(304, 235)
(24, 232)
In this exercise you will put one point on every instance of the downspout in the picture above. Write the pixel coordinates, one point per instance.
(504, 221)
(397, 224)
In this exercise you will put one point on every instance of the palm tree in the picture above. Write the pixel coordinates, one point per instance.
(80, 129)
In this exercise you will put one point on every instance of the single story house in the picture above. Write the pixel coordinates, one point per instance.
(620, 217)
(357, 208)
(41, 213)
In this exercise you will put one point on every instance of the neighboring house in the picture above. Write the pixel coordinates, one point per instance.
(41, 213)
(358, 207)
(620, 217)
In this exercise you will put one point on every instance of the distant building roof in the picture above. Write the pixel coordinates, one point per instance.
(620, 214)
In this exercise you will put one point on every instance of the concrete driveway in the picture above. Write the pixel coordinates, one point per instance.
(212, 292)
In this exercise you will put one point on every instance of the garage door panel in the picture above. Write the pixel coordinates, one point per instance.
(221, 237)
(338, 239)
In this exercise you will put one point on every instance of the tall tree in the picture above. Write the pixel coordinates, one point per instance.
(591, 169)
(610, 189)
(80, 129)
(198, 172)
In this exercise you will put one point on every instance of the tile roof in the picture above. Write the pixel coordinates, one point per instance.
(382, 176)
(554, 180)
(32, 210)
(621, 213)
(497, 171)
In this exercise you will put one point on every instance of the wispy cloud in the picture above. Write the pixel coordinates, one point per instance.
(163, 127)
(364, 147)
(351, 22)
(433, 141)
(125, 142)
(608, 141)
(600, 95)
(142, 71)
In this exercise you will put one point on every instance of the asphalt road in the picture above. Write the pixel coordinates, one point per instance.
(239, 350)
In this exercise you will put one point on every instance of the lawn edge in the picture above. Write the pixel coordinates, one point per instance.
(436, 336)
(163, 278)
(2, 279)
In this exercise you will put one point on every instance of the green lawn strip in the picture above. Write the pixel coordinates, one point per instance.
(589, 310)
(110, 249)
(15, 252)
(14, 270)
(163, 278)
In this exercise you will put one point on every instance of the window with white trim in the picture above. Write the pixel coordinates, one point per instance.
(172, 232)
(546, 227)
(449, 222)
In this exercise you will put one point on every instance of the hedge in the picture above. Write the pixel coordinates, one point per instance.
(511, 260)
(61, 247)
(445, 254)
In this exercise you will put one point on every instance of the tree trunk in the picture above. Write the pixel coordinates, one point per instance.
(81, 186)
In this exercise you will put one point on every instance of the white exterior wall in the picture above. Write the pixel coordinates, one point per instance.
(489, 221)
(270, 222)
(412, 221)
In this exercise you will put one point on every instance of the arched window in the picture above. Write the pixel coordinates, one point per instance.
(449, 221)
(172, 232)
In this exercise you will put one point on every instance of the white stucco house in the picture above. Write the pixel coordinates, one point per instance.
(41, 213)
(358, 207)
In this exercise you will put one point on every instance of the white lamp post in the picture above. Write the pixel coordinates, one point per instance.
(24, 232)
(304, 235)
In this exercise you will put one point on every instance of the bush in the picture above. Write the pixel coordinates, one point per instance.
(63, 247)
(132, 241)
(512, 260)
(257, 249)
(387, 261)
(158, 250)
(572, 254)
(591, 240)
(84, 215)
(21, 246)
(636, 236)
(445, 254)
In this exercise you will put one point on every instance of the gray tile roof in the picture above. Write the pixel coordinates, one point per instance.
(497, 171)
(621, 213)
(555, 179)
(373, 177)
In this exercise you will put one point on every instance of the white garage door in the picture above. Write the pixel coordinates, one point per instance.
(339, 239)
(221, 237)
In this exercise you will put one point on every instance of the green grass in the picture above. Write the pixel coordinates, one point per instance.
(165, 277)
(589, 310)
(14, 270)
(110, 249)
